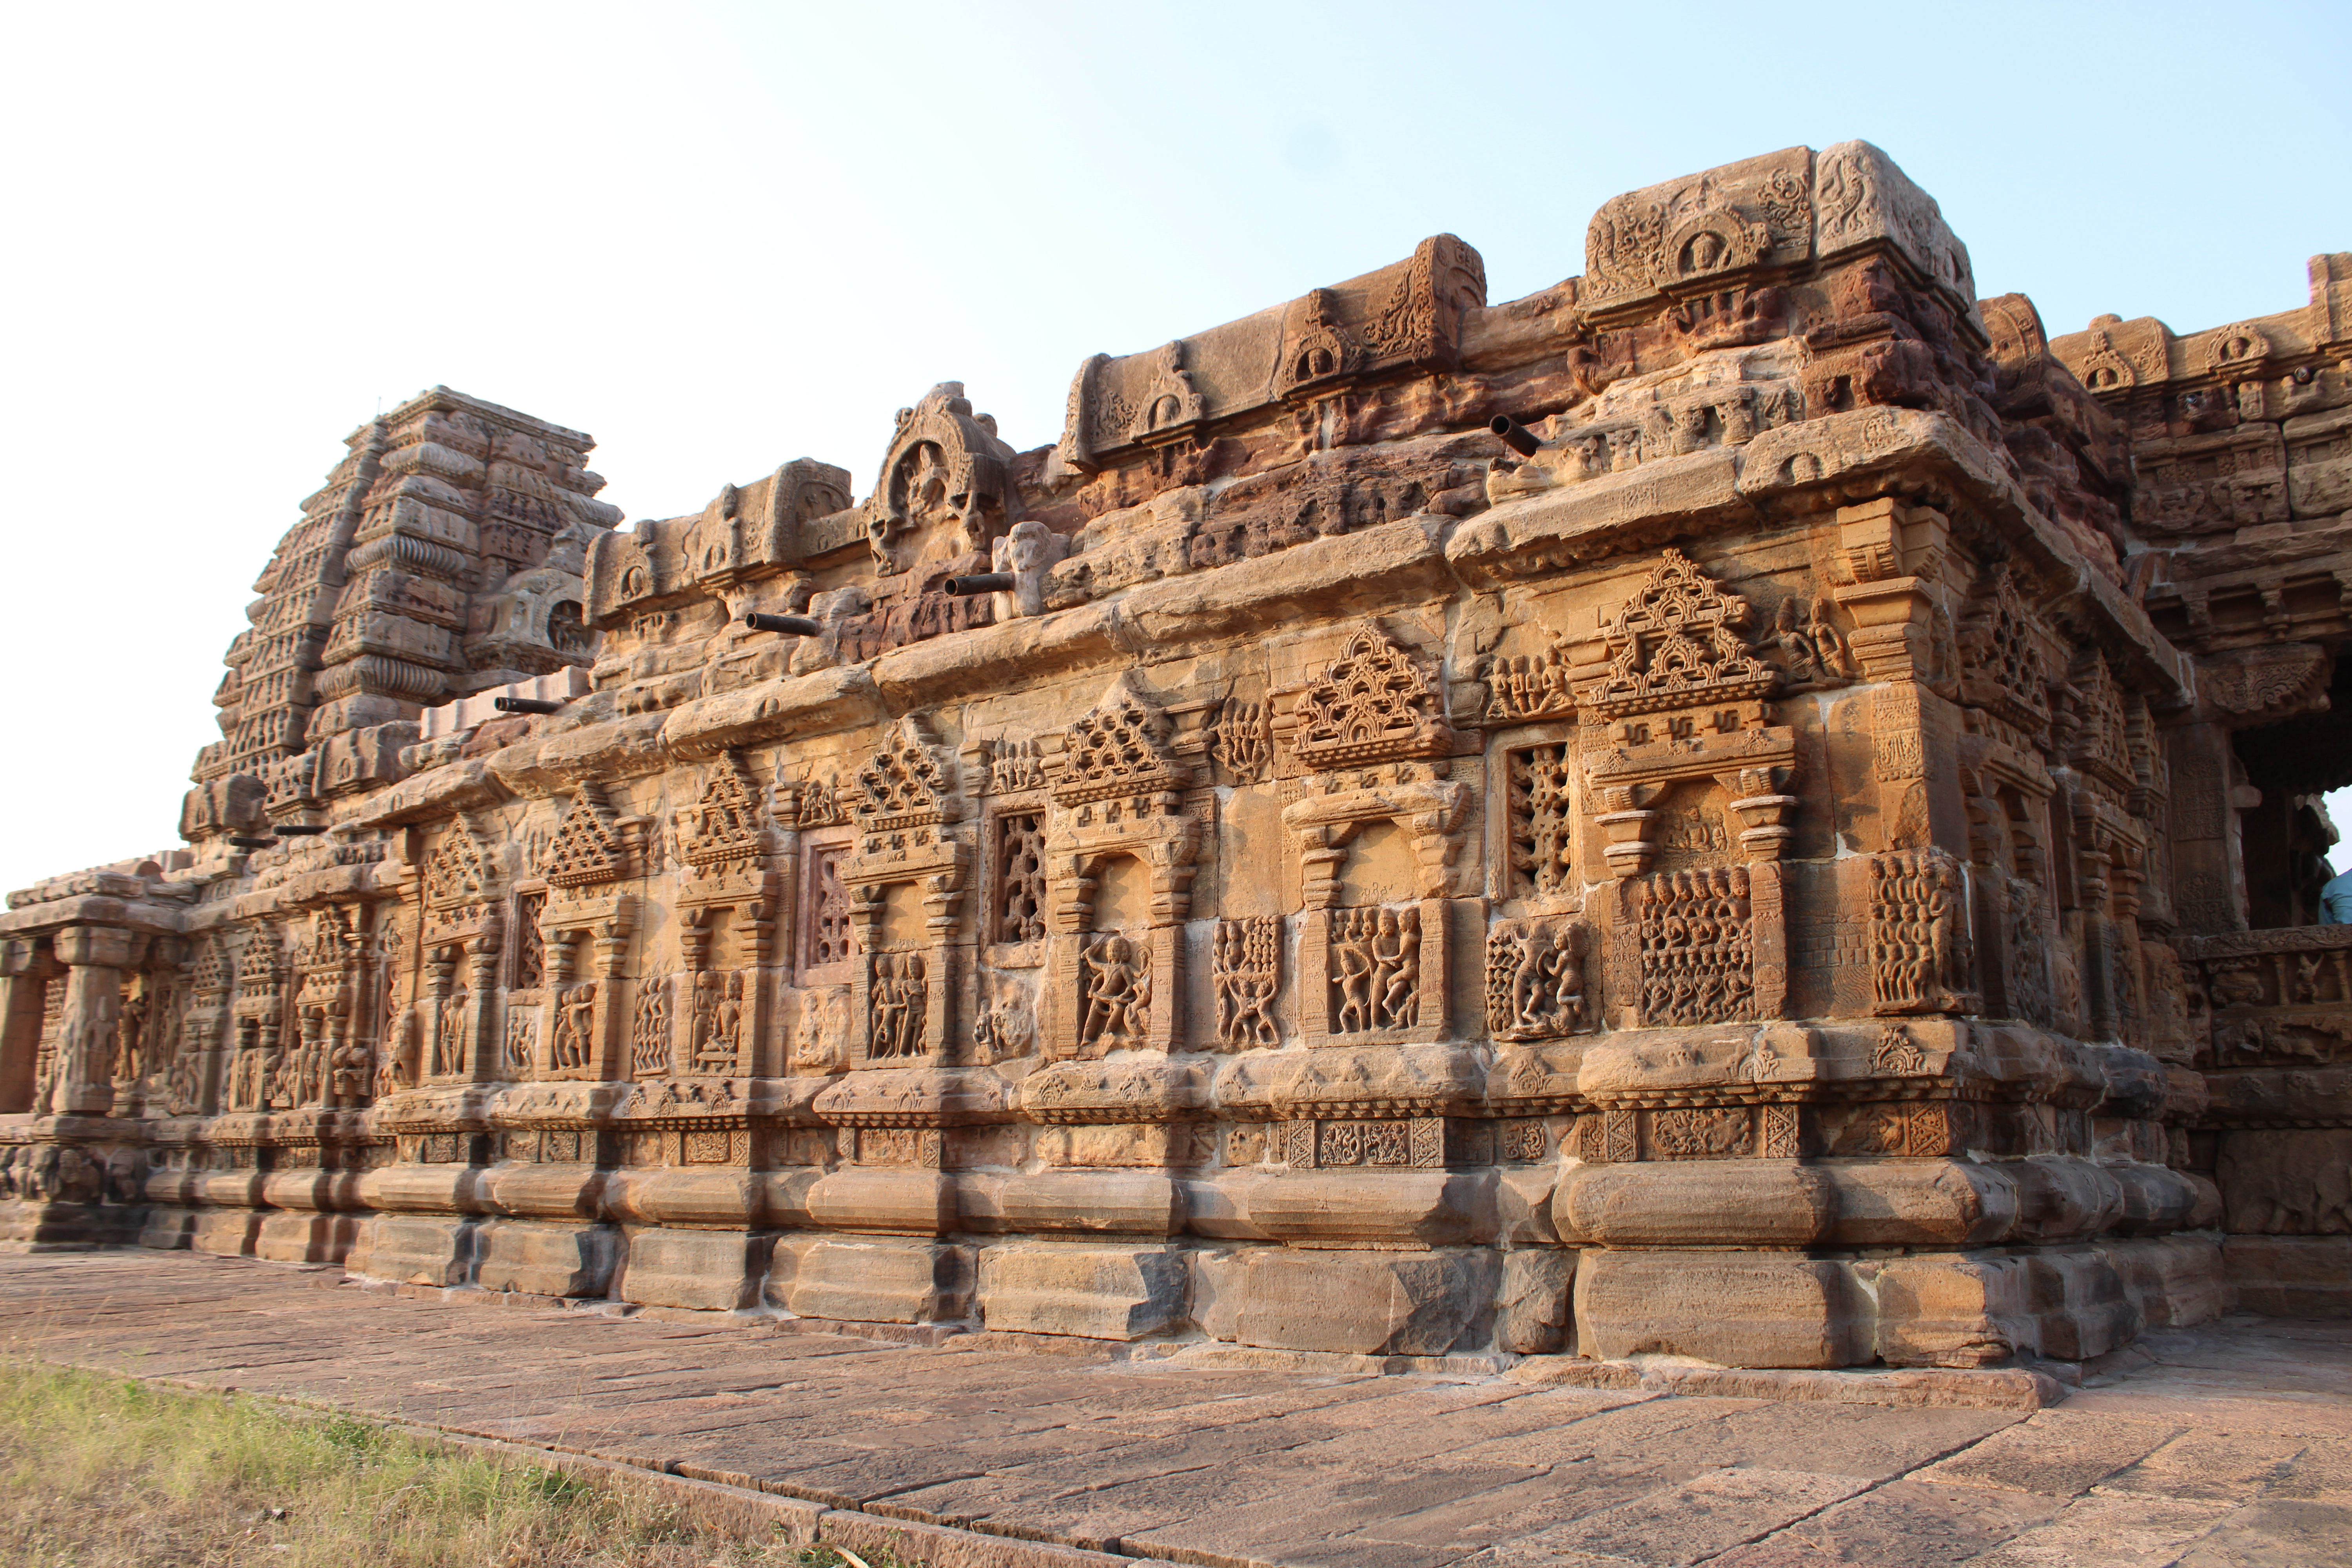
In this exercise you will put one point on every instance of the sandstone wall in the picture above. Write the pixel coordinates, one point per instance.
(1650, 817)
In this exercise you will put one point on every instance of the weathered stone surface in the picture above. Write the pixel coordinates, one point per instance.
(1737, 1309)
(2290, 1275)
(2229, 1442)
(1957, 1310)
(1533, 1312)
(1750, 767)
(872, 1282)
(708, 1270)
(1099, 1292)
(1370, 1303)
(413, 1251)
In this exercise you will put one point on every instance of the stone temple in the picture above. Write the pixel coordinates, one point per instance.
(1750, 804)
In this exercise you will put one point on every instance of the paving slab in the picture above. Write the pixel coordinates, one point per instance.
(2226, 1444)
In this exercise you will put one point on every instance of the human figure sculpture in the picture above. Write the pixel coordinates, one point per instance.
(448, 1039)
(912, 1001)
(575, 1027)
(1396, 962)
(1354, 957)
(888, 1006)
(728, 1040)
(1115, 993)
(398, 1069)
(348, 1073)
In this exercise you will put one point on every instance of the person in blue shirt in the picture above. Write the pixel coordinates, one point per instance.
(2336, 902)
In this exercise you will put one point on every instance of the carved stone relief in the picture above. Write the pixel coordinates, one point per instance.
(1375, 969)
(1536, 981)
(1374, 703)
(1921, 958)
(1540, 811)
(1677, 643)
(1696, 945)
(1246, 967)
(1018, 909)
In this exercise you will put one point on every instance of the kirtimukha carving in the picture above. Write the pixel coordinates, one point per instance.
(1836, 733)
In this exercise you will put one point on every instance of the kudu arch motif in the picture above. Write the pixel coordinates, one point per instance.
(1769, 858)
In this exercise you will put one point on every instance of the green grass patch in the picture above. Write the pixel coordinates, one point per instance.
(104, 1472)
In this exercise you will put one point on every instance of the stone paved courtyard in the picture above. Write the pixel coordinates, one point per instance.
(2231, 1446)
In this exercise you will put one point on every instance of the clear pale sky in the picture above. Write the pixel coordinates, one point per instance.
(721, 235)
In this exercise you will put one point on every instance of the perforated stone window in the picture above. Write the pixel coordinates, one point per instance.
(1542, 818)
(530, 947)
(827, 939)
(1018, 912)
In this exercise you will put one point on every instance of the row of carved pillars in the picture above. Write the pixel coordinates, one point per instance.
(95, 960)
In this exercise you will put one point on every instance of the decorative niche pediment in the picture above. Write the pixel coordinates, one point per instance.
(1677, 642)
(906, 783)
(944, 491)
(723, 826)
(590, 846)
(1374, 703)
(459, 885)
(1120, 750)
(722, 839)
(1689, 696)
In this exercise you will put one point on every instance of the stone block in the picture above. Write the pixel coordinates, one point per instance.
(420, 1189)
(313, 1190)
(553, 1192)
(726, 1196)
(2286, 1182)
(297, 1237)
(2154, 1198)
(228, 1233)
(1534, 1309)
(888, 1202)
(1523, 1202)
(2289, 1276)
(1696, 1203)
(1123, 1146)
(2061, 1199)
(234, 1189)
(2078, 1303)
(1100, 1203)
(1369, 1303)
(414, 1249)
(2173, 1282)
(1954, 1310)
(708, 1270)
(1920, 1202)
(876, 1281)
(1734, 1309)
(1219, 1275)
(1437, 1208)
(542, 1258)
(1099, 1292)
(168, 1228)
(785, 1197)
